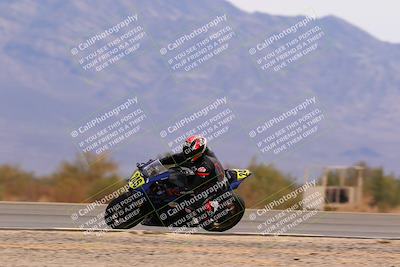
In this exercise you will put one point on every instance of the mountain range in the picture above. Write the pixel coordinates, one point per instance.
(45, 92)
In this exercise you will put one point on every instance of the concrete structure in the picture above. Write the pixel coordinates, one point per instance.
(341, 194)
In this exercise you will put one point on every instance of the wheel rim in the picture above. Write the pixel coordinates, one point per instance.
(226, 220)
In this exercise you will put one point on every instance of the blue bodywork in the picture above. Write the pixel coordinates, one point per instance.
(234, 183)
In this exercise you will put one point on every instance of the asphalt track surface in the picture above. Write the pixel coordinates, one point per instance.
(65, 216)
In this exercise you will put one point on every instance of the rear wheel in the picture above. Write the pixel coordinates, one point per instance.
(126, 211)
(226, 217)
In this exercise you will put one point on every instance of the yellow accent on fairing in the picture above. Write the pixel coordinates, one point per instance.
(242, 173)
(137, 180)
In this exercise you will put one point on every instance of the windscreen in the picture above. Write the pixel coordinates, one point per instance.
(154, 168)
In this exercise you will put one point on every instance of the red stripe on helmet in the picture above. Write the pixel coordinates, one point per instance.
(191, 138)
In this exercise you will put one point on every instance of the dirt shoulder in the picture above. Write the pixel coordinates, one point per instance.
(62, 248)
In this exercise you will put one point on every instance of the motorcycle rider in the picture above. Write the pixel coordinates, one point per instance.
(205, 168)
(198, 157)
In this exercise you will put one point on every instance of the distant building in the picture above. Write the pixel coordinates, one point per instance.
(340, 195)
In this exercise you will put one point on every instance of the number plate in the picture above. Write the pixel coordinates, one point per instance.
(241, 174)
(137, 180)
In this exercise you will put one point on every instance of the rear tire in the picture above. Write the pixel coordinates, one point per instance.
(235, 214)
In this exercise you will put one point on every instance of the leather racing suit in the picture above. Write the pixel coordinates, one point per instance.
(207, 169)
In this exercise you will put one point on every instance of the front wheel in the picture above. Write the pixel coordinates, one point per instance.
(228, 216)
(126, 211)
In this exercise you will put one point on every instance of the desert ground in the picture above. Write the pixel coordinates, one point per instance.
(140, 248)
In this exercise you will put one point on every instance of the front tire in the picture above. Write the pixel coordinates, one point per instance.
(126, 211)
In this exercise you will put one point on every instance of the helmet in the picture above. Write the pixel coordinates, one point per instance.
(194, 147)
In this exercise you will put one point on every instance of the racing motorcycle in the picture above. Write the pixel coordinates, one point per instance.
(156, 196)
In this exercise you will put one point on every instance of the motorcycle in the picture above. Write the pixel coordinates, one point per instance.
(157, 196)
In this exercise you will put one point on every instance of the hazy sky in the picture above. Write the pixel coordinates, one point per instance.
(378, 17)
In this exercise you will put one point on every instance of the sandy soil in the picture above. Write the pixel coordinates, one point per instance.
(61, 248)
